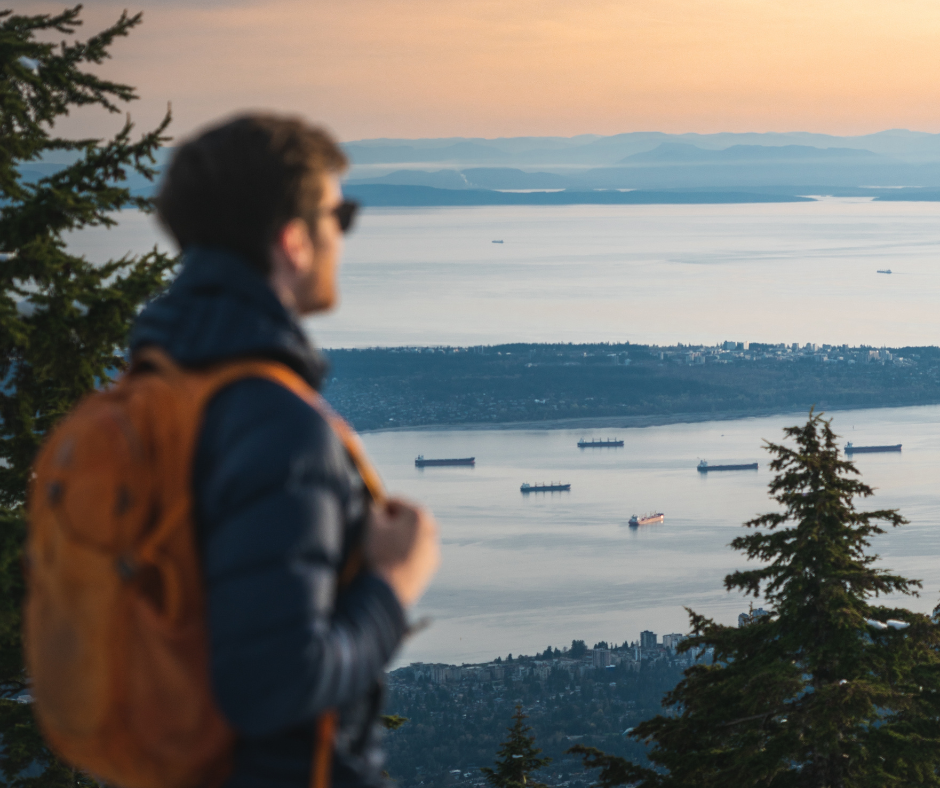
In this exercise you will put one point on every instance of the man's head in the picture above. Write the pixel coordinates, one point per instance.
(267, 188)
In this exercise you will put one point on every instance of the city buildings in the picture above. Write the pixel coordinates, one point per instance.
(751, 616)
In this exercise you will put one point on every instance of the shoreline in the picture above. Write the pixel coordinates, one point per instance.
(625, 422)
(388, 195)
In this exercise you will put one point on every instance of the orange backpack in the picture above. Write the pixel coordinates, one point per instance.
(115, 633)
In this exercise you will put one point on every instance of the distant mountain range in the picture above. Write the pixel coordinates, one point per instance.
(760, 163)
(594, 151)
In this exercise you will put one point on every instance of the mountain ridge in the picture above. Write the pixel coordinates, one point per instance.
(684, 152)
(593, 150)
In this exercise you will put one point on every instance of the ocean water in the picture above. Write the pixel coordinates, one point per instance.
(521, 572)
(789, 272)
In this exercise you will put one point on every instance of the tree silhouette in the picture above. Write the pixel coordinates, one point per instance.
(518, 758)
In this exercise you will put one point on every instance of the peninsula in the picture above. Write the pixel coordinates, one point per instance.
(618, 385)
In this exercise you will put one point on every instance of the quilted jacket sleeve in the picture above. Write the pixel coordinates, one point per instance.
(278, 504)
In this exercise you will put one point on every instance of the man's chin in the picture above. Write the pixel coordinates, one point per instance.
(320, 305)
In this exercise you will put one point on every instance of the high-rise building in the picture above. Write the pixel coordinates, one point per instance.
(673, 640)
(601, 657)
(647, 639)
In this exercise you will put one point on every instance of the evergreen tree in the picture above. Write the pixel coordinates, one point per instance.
(519, 757)
(64, 320)
(827, 691)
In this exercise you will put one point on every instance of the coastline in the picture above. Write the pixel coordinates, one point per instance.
(632, 422)
(385, 195)
(608, 422)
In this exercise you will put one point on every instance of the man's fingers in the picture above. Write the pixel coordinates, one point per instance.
(402, 546)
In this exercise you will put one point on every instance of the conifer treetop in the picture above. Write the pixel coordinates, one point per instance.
(63, 319)
(518, 758)
(819, 573)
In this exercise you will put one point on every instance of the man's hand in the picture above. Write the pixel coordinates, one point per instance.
(402, 548)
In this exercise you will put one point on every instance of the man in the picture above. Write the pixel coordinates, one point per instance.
(256, 207)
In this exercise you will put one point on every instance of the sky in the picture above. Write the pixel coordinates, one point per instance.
(492, 68)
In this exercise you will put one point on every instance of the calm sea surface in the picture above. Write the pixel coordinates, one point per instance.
(521, 573)
(799, 272)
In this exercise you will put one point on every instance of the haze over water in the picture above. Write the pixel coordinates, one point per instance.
(797, 272)
(785, 272)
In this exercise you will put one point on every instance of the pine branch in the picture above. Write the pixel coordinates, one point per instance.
(614, 769)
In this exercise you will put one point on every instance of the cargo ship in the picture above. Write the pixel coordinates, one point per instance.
(647, 519)
(884, 270)
(595, 444)
(497, 242)
(704, 467)
(420, 462)
(552, 487)
(850, 449)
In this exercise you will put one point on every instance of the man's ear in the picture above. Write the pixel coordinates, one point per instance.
(295, 245)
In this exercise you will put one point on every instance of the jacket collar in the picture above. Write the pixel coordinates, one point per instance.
(220, 308)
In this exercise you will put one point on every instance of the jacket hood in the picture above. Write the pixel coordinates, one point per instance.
(218, 309)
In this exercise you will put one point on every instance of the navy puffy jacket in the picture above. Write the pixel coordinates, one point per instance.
(279, 507)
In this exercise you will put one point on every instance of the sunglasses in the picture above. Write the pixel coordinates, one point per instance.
(345, 213)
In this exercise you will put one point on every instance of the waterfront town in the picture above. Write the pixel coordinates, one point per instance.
(574, 661)
(457, 714)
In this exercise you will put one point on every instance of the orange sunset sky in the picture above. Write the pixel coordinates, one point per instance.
(490, 68)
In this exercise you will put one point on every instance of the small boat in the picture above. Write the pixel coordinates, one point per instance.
(420, 462)
(884, 270)
(704, 467)
(850, 449)
(496, 242)
(551, 487)
(647, 519)
(596, 444)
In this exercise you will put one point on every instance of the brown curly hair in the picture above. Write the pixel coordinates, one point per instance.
(235, 185)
